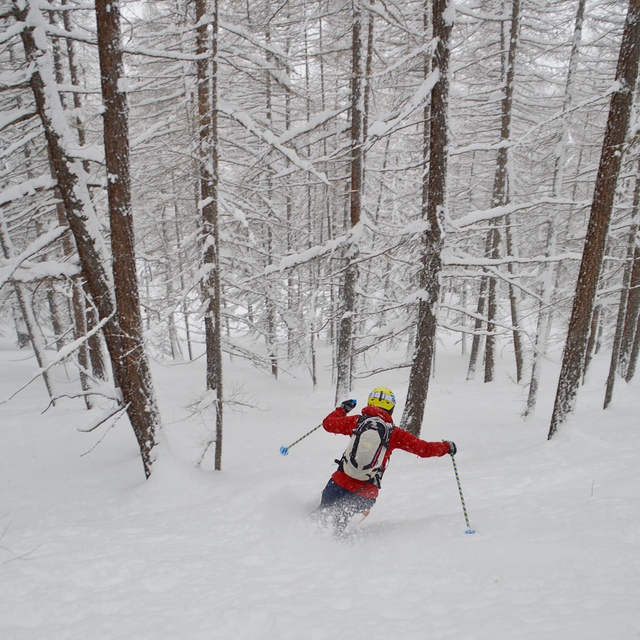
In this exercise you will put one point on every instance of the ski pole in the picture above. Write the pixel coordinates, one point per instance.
(464, 507)
(285, 450)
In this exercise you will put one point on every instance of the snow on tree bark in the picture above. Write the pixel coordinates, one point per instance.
(28, 317)
(616, 350)
(348, 300)
(432, 239)
(635, 351)
(206, 68)
(574, 355)
(135, 375)
(501, 197)
(548, 284)
(71, 177)
(631, 319)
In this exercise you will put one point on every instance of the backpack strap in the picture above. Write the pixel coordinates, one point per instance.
(384, 429)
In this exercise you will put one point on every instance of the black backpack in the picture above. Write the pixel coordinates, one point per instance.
(365, 453)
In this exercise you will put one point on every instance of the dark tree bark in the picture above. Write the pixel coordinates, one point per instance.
(135, 376)
(345, 328)
(616, 349)
(71, 182)
(545, 314)
(208, 164)
(271, 333)
(500, 197)
(432, 239)
(633, 298)
(518, 347)
(94, 345)
(632, 318)
(635, 350)
(96, 355)
(476, 343)
(573, 359)
(592, 341)
(492, 305)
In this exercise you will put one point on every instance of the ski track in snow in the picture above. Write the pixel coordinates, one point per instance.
(88, 549)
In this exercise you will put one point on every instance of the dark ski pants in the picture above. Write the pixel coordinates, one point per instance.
(341, 505)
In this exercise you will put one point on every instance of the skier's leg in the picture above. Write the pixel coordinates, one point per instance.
(329, 507)
(349, 506)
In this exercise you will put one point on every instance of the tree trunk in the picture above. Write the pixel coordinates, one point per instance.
(594, 330)
(514, 300)
(208, 164)
(550, 270)
(96, 352)
(573, 359)
(500, 196)
(624, 296)
(492, 305)
(348, 306)
(94, 345)
(72, 181)
(544, 320)
(632, 318)
(135, 376)
(476, 342)
(28, 317)
(181, 268)
(433, 206)
(633, 359)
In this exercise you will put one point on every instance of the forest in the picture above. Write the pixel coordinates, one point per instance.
(226, 180)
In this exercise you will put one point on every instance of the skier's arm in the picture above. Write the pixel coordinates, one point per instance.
(401, 439)
(338, 422)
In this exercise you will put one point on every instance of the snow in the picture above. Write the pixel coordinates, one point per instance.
(19, 268)
(28, 187)
(270, 138)
(89, 549)
(382, 128)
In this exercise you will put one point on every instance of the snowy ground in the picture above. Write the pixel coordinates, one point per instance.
(89, 550)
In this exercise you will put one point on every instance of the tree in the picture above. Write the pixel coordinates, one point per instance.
(627, 362)
(548, 282)
(207, 74)
(28, 315)
(71, 177)
(616, 350)
(344, 354)
(433, 212)
(500, 198)
(573, 358)
(135, 375)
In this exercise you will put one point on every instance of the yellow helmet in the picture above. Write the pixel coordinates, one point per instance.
(382, 397)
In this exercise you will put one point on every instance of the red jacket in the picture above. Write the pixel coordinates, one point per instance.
(339, 422)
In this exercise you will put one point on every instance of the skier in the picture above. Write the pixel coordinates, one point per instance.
(354, 486)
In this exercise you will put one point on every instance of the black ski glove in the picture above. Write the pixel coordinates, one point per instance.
(347, 405)
(452, 447)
